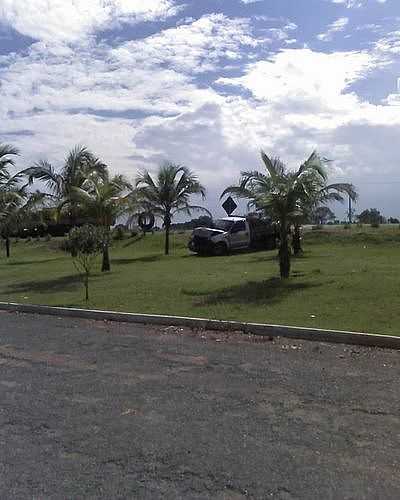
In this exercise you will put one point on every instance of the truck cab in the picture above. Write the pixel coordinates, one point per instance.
(232, 233)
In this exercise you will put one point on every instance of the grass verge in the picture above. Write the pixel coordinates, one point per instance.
(347, 280)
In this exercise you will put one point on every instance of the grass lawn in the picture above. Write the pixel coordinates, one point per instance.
(347, 279)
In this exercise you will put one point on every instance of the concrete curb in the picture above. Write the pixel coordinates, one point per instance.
(292, 332)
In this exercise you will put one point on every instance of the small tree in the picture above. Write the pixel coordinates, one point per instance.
(85, 244)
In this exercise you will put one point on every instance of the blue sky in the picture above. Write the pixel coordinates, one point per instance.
(207, 83)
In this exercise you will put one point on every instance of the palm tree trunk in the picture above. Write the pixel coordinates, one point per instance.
(296, 241)
(167, 240)
(106, 259)
(8, 247)
(106, 255)
(167, 224)
(284, 252)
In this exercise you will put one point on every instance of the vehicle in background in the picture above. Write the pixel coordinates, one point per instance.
(234, 233)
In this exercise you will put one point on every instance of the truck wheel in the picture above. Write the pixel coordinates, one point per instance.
(220, 249)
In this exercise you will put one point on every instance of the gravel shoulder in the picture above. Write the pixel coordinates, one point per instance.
(106, 410)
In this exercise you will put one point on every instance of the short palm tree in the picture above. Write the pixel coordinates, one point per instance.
(324, 193)
(104, 199)
(168, 193)
(79, 165)
(281, 193)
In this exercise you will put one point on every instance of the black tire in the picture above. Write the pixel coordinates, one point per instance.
(220, 249)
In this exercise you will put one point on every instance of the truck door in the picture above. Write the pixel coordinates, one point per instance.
(239, 235)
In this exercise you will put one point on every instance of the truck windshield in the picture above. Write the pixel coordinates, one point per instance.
(223, 225)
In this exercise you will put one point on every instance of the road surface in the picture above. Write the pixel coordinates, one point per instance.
(105, 410)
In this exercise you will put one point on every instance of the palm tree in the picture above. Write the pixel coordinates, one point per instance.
(7, 181)
(79, 165)
(104, 199)
(9, 190)
(324, 193)
(17, 208)
(281, 193)
(169, 193)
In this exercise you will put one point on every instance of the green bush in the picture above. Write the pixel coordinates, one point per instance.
(346, 226)
(85, 244)
(375, 225)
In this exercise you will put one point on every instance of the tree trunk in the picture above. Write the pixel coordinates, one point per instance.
(8, 247)
(87, 287)
(284, 253)
(296, 241)
(106, 255)
(106, 259)
(167, 239)
(167, 224)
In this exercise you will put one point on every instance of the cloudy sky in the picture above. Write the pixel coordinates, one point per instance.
(207, 83)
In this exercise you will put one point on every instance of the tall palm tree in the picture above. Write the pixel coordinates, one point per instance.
(104, 198)
(281, 193)
(79, 165)
(10, 197)
(7, 180)
(17, 208)
(169, 193)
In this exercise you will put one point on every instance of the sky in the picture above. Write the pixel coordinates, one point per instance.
(207, 84)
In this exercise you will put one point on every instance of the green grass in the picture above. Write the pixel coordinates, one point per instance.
(347, 279)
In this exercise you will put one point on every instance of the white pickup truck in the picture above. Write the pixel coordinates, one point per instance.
(233, 233)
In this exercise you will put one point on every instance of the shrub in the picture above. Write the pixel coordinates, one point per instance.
(317, 227)
(85, 244)
(375, 225)
(346, 226)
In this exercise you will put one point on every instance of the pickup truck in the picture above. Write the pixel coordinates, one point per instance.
(233, 233)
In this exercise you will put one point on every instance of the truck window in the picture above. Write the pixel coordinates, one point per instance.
(223, 225)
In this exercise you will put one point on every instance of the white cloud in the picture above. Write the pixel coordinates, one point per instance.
(302, 73)
(72, 20)
(192, 48)
(338, 25)
(152, 75)
(355, 4)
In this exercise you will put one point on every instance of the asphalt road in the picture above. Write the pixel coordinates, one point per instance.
(102, 410)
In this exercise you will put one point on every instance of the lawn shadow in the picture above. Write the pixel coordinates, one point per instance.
(64, 283)
(132, 241)
(144, 259)
(31, 262)
(253, 292)
(263, 258)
